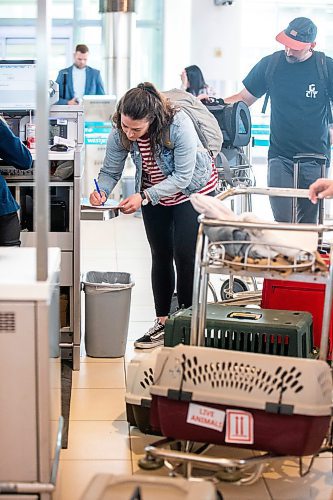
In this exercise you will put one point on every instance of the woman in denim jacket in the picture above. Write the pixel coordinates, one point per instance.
(171, 164)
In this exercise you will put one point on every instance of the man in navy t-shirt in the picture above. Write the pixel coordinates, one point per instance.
(299, 113)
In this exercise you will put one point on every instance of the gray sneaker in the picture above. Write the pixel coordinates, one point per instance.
(153, 338)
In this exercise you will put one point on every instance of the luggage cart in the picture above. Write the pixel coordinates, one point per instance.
(182, 374)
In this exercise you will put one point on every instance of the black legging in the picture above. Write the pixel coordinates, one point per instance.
(9, 230)
(172, 235)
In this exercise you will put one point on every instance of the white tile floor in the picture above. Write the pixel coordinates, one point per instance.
(99, 437)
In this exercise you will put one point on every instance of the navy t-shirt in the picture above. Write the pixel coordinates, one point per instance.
(299, 120)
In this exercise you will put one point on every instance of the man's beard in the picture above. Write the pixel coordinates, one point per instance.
(292, 59)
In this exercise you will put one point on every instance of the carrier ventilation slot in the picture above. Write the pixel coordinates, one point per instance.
(7, 322)
(148, 378)
(257, 342)
(241, 376)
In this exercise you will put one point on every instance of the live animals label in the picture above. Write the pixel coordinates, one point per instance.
(204, 416)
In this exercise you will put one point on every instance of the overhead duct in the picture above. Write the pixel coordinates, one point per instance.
(118, 29)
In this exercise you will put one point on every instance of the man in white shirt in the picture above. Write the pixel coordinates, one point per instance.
(79, 79)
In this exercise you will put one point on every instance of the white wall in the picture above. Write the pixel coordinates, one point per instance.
(226, 41)
(216, 43)
(177, 40)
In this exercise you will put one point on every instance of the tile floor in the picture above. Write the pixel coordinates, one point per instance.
(100, 440)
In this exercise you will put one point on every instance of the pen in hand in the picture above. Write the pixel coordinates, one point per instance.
(97, 189)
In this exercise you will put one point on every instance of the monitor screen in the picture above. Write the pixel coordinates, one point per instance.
(17, 85)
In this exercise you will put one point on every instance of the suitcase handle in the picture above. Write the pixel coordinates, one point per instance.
(321, 159)
(297, 159)
(245, 315)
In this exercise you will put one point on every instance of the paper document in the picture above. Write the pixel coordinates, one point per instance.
(109, 204)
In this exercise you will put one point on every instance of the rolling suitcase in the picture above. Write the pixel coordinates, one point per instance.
(268, 403)
(297, 159)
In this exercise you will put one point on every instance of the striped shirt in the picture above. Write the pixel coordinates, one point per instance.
(152, 174)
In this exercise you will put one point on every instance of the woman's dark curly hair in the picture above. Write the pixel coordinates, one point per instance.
(144, 102)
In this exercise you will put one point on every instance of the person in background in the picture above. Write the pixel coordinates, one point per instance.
(300, 118)
(79, 79)
(165, 178)
(194, 82)
(14, 153)
(321, 188)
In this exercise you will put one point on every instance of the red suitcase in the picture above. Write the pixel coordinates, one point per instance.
(298, 296)
(268, 403)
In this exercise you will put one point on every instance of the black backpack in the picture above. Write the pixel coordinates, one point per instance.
(234, 120)
(321, 64)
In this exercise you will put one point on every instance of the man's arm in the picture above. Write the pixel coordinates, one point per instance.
(244, 95)
(99, 85)
(12, 150)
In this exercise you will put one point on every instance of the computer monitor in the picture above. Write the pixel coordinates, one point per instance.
(17, 85)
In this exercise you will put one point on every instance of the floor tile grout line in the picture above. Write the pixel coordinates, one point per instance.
(267, 487)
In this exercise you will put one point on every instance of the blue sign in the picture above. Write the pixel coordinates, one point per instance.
(260, 134)
(97, 133)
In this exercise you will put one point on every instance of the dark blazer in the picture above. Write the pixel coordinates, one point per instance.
(14, 153)
(94, 84)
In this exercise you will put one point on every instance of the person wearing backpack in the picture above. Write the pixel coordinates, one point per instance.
(299, 82)
(171, 164)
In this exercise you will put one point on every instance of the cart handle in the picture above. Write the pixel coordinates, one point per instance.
(281, 226)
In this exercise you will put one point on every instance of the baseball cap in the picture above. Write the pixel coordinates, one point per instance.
(299, 34)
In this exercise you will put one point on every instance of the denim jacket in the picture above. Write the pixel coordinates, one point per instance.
(14, 153)
(187, 166)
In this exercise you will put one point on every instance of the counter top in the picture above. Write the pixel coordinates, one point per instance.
(18, 274)
(57, 155)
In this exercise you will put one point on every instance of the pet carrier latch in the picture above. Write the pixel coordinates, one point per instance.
(280, 409)
(145, 403)
(179, 395)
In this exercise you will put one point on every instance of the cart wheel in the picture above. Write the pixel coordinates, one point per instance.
(238, 286)
(229, 474)
(150, 463)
